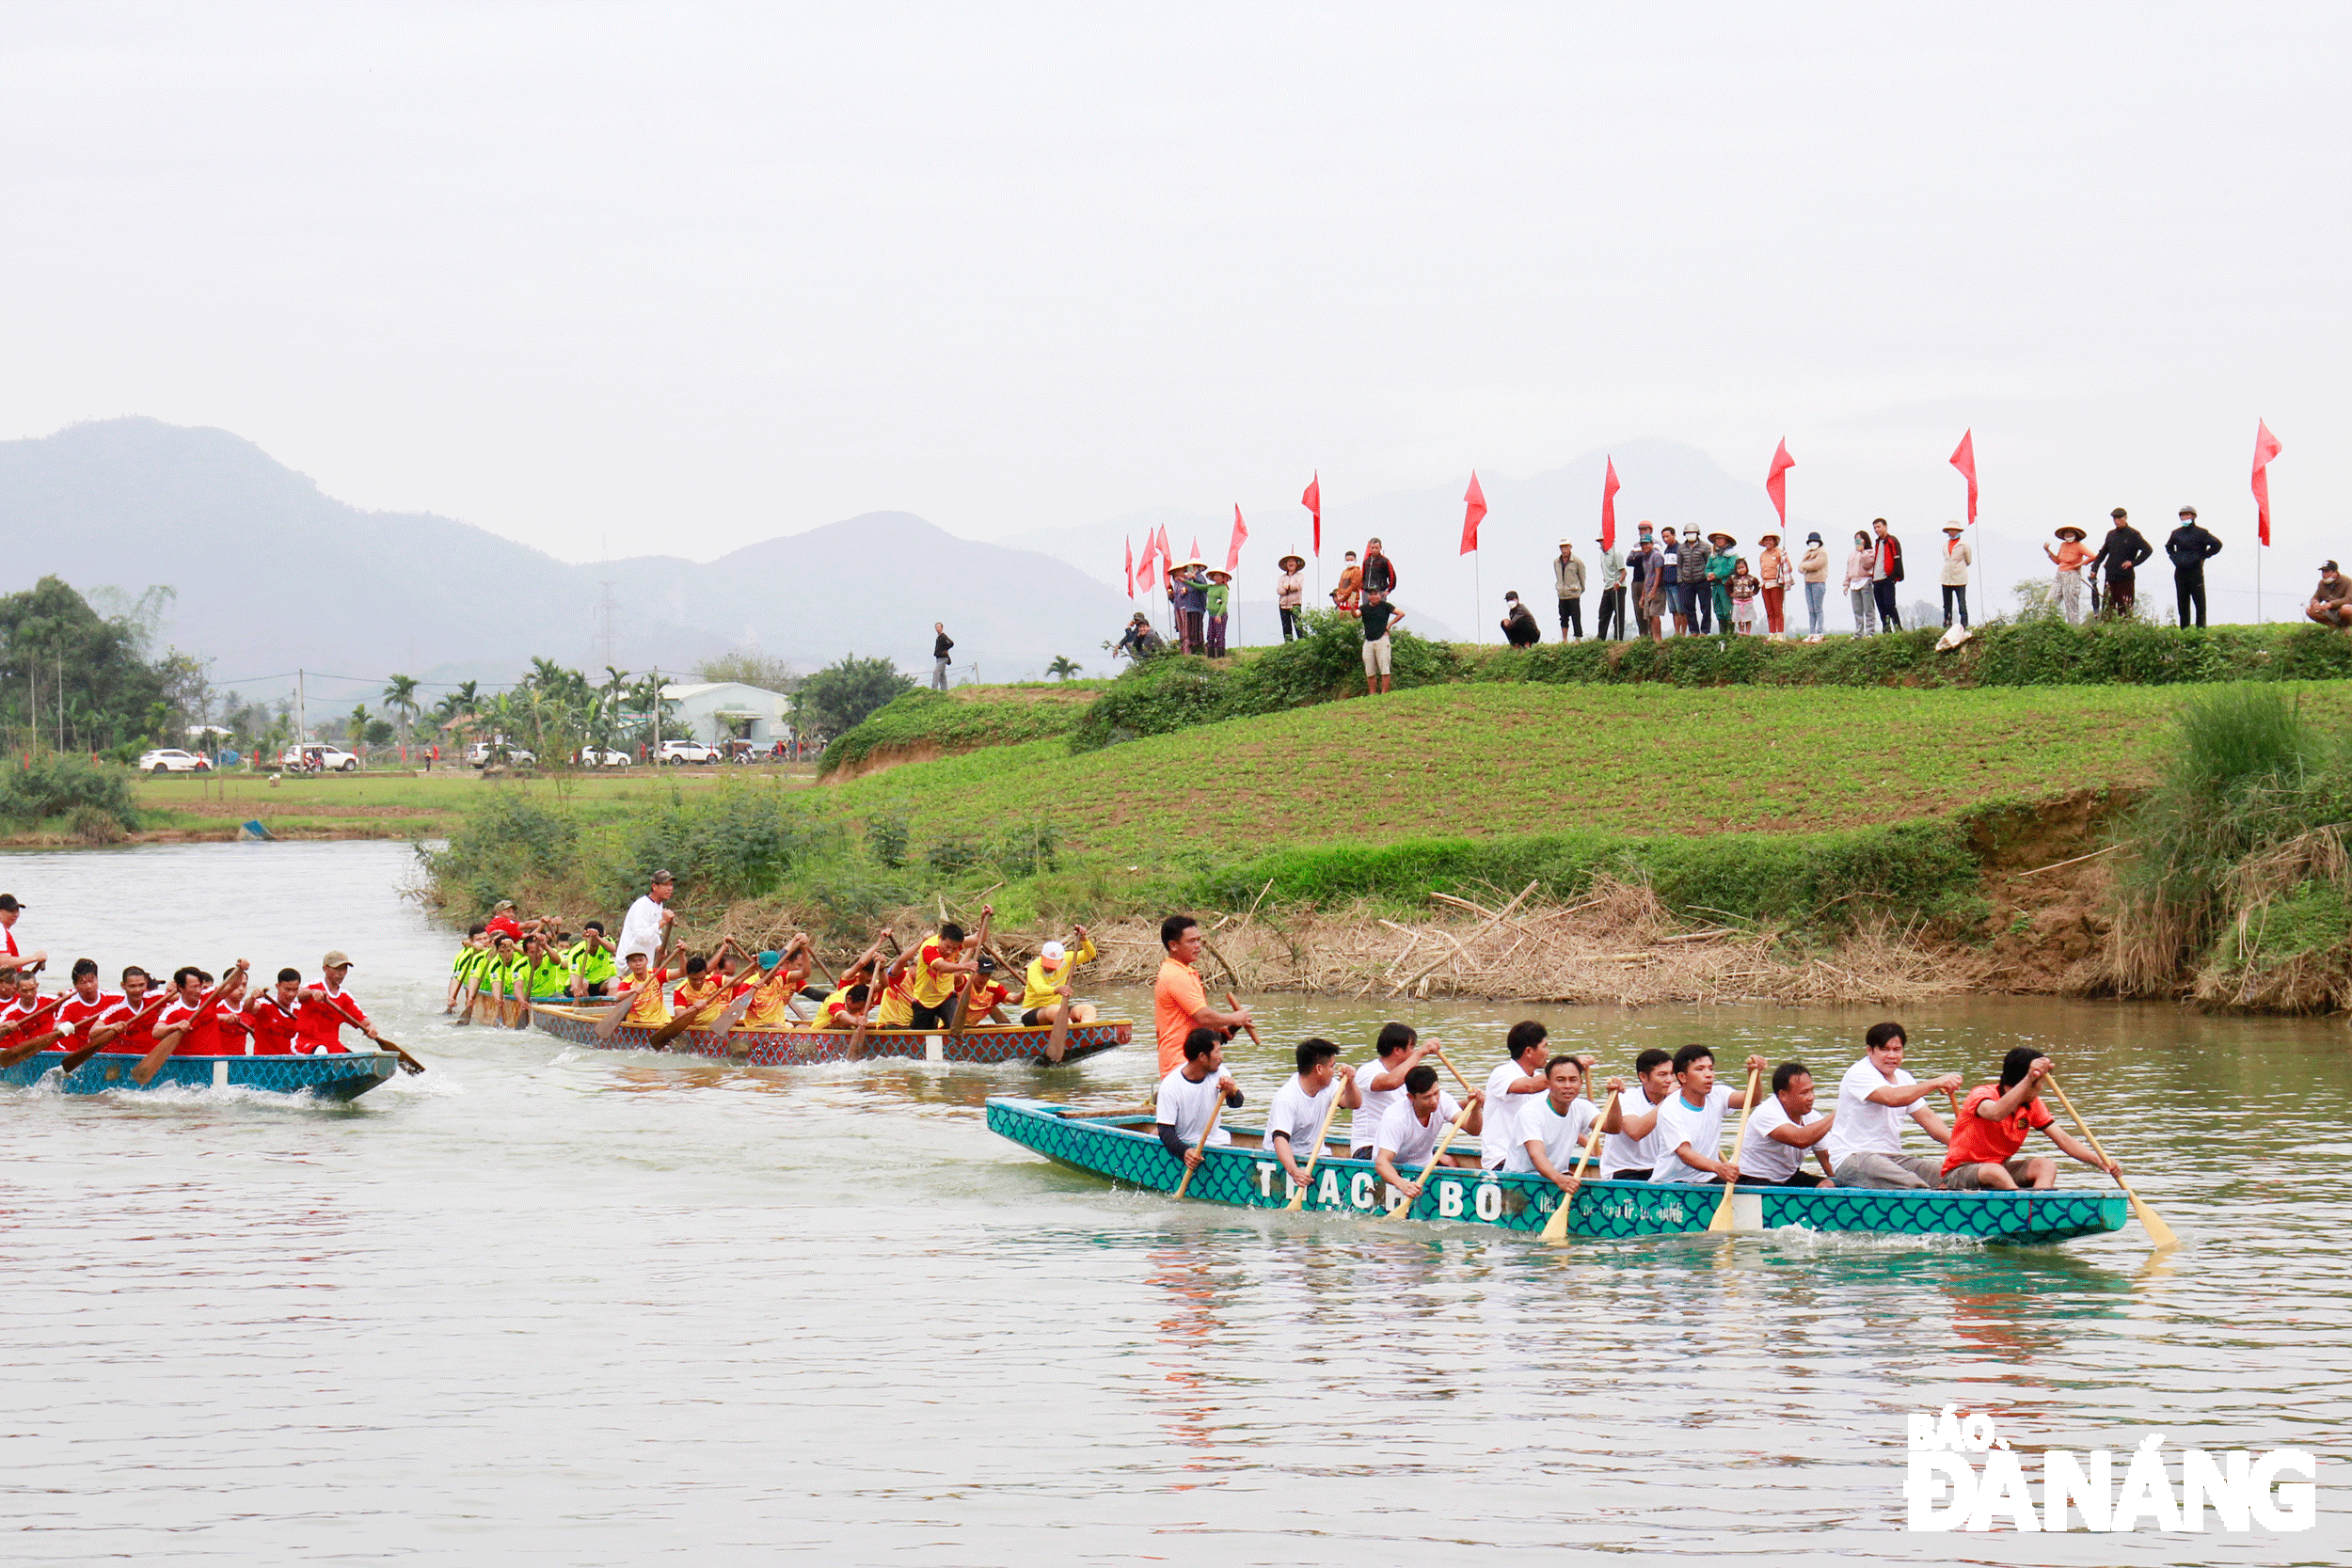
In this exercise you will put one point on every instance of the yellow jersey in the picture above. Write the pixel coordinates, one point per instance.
(1037, 985)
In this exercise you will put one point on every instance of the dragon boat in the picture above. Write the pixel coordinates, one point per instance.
(1122, 1147)
(801, 1047)
(337, 1075)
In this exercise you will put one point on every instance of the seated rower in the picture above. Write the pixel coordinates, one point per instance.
(1380, 1084)
(898, 998)
(467, 964)
(1516, 1082)
(88, 1002)
(643, 986)
(701, 991)
(499, 977)
(1410, 1131)
(1691, 1122)
(325, 1007)
(1046, 987)
(1865, 1147)
(1995, 1121)
(771, 997)
(1552, 1132)
(1629, 1150)
(590, 961)
(142, 1004)
(1296, 1117)
(987, 993)
(27, 1024)
(938, 962)
(273, 1017)
(845, 1009)
(1779, 1136)
(1188, 1096)
(203, 1019)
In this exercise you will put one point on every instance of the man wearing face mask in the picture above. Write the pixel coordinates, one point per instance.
(2190, 546)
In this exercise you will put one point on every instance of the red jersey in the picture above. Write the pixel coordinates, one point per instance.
(274, 1027)
(504, 926)
(80, 1016)
(203, 1034)
(323, 1015)
(1981, 1141)
(140, 1035)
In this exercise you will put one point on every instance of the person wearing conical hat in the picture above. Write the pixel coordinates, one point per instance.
(1954, 578)
(2069, 559)
(1721, 567)
(1771, 576)
(1216, 605)
(1290, 594)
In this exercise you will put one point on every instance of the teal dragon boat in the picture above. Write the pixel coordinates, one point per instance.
(802, 1047)
(340, 1075)
(1244, 1175)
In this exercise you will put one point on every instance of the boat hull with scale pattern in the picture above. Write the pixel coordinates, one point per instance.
(984, 1043)
(337, 1075)
(1124, 1147)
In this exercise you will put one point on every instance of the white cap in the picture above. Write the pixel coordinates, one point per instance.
(1051, 953)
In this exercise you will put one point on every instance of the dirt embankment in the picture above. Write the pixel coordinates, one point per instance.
(883, 759)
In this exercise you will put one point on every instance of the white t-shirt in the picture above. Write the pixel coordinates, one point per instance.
(641, 930)
(1763, 1157)
(1187, 1106)
(1500, 1126)
(1563, 1137)
(1681, 1122)
(1363, 1128)
(1300, 1114)
(1864, 1128)
(1619, 1152)
(1408, 1140)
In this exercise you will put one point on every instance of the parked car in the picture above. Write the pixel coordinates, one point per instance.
(482, 753)
(591, 757)
(171, 760)
(318, 759)
(679, 753)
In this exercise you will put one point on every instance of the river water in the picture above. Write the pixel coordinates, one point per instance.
(549, 1305)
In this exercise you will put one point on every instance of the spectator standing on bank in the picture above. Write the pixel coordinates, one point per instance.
(1720, 566)
(1518, 624)
(1813, 566)
(1192, 599)
(1858, 571)
(1380, 571)
(1697, 608)
(942, 645)
(1744, 586)
(2069, 557)
(1348, 593)
(1290, 592)
(2190, 546)
(1379, 659)
(1567, 580)
(1887, 570)
(1216, 599)
(1669, 591)
(1610, 614)
(1640, 572)
(1954, 578)
(2120, 552)
(1771, 576)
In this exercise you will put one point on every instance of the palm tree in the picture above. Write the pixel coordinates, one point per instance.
(357, 724)
(1062, 668)
(400, 695)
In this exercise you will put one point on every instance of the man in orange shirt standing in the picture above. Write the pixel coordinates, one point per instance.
(1180, 1002)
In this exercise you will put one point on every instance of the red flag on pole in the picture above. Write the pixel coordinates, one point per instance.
(1195, 554)
(1312, 501)
(1241, 532)
(1609, 489)
(1473, 508)
(1168, 558)
(1145, 578)
(2265, 448)
(1131, 566)
(1776, 482)
(1964, 459)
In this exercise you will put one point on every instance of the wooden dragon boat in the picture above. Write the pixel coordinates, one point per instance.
(338, 1075)
(1243, 1175)
(981, 1042)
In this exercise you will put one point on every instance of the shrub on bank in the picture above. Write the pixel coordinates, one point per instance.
(92, 795)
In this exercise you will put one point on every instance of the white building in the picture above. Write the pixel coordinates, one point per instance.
(716, 712)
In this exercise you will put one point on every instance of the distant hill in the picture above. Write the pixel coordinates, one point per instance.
(272, 574)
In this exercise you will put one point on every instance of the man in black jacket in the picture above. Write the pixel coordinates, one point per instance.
(2119, 554)
(2190, 547)
(939, 655)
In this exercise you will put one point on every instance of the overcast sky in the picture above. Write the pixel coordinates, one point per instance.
(691, 276)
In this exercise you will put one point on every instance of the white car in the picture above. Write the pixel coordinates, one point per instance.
(679, 753)
(591, 757)
(482, 753)
(319, 759)
(171, 760)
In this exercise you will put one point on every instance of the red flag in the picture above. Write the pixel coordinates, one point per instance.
(1196, 548)
(1776, 482)
(1964, 459)
(1609, 508)
(1167, 557)
(1312, 501)
(1131, 566)
(1241, 532)
(1145, 578)
(1474, 507)
(2265, 448)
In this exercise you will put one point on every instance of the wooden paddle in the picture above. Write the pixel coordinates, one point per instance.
(103, 1037)
(2157, 1230)
(1233, 1005)
(1058, 1041)
(1397, 1210)
(1721, 1222)
(16, 1054)
(465, 997)
(619, 1010)
(408, 1063)
(1556, 1228)
(1322, 1137)
(684, 1019)
(143, 1071)
(1202, 1147)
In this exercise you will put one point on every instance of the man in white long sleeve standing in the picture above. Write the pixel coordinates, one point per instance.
(646, 927)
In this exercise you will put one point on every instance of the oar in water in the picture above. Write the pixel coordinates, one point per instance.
(619, 1010)
(1723, 1211)
(101, 1037)
(143, 1071)
(1322, 1136)
(16, 1054)
(685, 1019)
(1556, 1228)
(408, 1063)
(1398, 1210)
(1201, 1148)
(2157, 1230)
(733, 1013)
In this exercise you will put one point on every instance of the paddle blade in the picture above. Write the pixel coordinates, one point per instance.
(2157, 1230)
(1720, 1224)
(1556, 1228)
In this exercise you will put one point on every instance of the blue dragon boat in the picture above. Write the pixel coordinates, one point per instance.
(339, 1075)
(1122, 1147)
(979, 1042)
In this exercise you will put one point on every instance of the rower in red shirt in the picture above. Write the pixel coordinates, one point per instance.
(87, 1005)
(141, 1006)
(202, 1017)
(275, 1016)
(326, 1007)
(25, 1033)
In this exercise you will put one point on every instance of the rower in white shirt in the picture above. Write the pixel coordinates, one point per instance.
(1188, 1097)
(1300, 1106)
(1515, 1084)
(1380, 1082)
(1875, 1095)
(1691, 1122)
(1630, 1151)
(1552, 1132)
(1409, 1132)
(1779, 1134)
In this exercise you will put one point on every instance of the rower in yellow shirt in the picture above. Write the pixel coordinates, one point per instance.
(1046, 985)
(643, 983)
